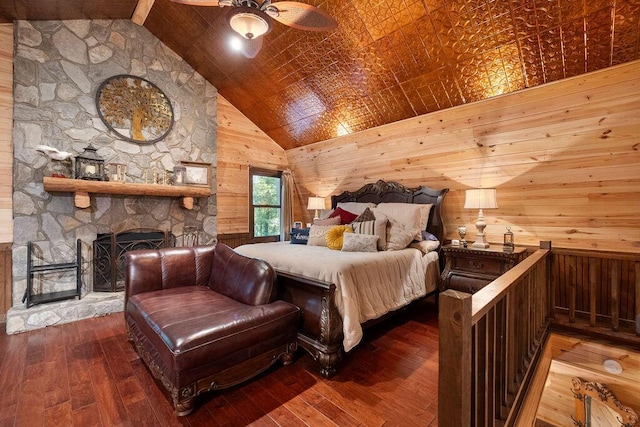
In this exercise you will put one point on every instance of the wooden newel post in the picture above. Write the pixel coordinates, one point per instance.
(454, 374)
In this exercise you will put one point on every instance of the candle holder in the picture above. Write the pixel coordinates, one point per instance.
(89, 165)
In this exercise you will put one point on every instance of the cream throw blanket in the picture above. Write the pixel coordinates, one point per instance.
(368, 284)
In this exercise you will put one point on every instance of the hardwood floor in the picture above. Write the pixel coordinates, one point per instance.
(87, 374)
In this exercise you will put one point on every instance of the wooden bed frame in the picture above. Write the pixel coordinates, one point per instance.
(320, 330)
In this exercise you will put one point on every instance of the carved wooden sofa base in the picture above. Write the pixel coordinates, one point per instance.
(184, 398)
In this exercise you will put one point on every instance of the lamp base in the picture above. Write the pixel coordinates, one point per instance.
(481, 245)
(480, 242)
(480, 226)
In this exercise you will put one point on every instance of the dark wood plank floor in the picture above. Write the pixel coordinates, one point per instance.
(87, 373)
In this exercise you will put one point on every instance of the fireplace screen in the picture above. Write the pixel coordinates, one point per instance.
(109, 250)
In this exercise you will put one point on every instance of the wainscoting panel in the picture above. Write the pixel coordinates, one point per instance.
(234, 240)
(596, 291)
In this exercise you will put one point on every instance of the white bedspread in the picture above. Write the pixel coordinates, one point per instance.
(368, 284)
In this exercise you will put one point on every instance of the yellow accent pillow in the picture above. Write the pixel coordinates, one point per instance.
(334, 236)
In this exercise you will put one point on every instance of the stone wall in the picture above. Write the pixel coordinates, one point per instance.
(57, 70)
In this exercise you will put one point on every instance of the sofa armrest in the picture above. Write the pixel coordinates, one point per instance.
(151, 270)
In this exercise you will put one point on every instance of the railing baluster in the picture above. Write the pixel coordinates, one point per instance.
(615, 295)
(637, 289)
(593, 291)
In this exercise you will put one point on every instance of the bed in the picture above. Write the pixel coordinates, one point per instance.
(341, 292)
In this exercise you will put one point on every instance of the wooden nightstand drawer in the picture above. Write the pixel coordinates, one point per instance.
(467, 284)
(482, 265)
(471, 269)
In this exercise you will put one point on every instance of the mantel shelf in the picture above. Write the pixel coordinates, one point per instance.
(83, 188)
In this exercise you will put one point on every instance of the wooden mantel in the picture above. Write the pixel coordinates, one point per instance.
(83, 188)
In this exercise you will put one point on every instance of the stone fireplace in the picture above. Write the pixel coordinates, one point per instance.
(58, 66)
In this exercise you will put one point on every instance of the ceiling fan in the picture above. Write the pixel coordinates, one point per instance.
(253, 19)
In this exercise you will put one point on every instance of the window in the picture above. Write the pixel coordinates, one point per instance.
(265, 188)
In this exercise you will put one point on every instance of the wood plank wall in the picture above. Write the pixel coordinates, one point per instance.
(6, 165)
(6, 132)
(564, 157)
(240, 145)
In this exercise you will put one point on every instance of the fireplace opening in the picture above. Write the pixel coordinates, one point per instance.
(109, 250)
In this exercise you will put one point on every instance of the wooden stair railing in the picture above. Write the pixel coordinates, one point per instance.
(490, 342)
(597, 293)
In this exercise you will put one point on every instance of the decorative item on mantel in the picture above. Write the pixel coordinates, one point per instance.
(89, 165)
(60, 160)
(179, 175)
(117, 172)
(480, 198)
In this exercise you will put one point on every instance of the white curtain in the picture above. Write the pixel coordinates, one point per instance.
(287, 204)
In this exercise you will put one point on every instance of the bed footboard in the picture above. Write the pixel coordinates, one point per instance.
(320, 329)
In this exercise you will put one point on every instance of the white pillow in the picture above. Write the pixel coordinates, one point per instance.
(399, 235)
(377, 228)
(425, 246)
(355, 207)
(352, 242)
(318, 235)
(410, 214)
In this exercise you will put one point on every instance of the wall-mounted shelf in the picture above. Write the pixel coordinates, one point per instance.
(82, 189)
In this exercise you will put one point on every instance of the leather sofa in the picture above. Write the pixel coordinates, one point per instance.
(205, 318)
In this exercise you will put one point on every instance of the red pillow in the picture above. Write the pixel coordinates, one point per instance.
(346, 217)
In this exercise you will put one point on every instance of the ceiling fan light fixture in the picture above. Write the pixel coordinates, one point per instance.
(249, 23)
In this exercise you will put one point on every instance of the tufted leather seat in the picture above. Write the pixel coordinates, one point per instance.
(205, 318)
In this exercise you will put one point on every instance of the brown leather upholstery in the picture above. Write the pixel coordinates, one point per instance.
(205, 318)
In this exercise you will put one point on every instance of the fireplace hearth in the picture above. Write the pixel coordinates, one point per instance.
(109, 250)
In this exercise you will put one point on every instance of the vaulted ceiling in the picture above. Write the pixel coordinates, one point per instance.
(388, 60)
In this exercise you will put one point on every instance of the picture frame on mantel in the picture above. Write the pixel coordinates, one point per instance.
(197, 173)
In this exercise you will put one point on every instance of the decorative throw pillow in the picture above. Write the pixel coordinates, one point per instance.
(367, 223)
(366, 215)
(327, 221)
(353, 242)
(355, 207)
(399, 235)
(428, 236)
(334, 236)
(299, 236)
(411, 215)
(425, 246)
(346, 217)
(318, 235)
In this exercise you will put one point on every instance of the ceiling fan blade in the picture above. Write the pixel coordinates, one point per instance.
(251, 48)
(301, 16)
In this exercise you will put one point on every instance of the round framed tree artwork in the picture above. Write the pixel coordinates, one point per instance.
(135, 109)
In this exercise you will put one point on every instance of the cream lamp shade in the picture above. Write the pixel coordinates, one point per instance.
(315, 203)
(480, 198)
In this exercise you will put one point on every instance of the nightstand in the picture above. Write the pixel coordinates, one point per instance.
(470, 269)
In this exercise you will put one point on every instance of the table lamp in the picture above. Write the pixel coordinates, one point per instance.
(480, 198)
(315, 203)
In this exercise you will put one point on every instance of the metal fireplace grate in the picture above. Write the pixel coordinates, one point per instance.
(109, 250)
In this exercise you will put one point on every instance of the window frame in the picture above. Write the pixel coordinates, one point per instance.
(266, 173)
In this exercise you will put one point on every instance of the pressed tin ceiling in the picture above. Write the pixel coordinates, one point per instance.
(387, 61)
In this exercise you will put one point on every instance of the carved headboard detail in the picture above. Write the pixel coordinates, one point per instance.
(395, 192)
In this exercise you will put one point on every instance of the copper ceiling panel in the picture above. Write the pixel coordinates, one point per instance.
(387, 60)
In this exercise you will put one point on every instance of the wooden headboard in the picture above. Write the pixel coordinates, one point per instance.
(395, 192)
